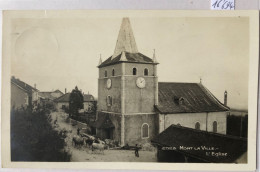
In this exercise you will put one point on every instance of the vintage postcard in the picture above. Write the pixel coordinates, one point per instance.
(163, 90)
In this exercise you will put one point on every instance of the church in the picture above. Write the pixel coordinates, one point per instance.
(133, 107)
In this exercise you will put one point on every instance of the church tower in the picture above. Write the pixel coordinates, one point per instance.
(127, 92)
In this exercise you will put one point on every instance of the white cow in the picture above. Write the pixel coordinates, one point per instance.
(98, 146)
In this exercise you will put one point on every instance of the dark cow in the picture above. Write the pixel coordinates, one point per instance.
(78, 141)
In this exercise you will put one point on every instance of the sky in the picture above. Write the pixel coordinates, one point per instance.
(59, 53)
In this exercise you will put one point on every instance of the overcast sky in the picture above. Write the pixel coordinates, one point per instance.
(62, 53)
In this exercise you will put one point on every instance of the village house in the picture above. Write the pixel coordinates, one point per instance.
(133, 107)
(22, 94)
(50, 95)
(62, 102)
(183, 144)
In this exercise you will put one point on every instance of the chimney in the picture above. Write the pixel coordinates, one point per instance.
(65, 90)
(35, 86)
(225, 98)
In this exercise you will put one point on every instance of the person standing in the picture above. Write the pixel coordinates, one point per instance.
(78, 131)
(136, 151)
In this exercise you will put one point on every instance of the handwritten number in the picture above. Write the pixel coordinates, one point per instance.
(223, 4)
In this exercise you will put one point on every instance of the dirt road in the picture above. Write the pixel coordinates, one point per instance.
(85, 154)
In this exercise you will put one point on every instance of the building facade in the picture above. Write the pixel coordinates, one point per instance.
(127, 88)
(62, 102)
(133, 107)
(22, 94)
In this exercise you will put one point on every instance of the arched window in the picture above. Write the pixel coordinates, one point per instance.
(197, 126)
(113, 72)
(215, 126)
(109, 101)
(105, 73)
(145, 72)
(145, 130)
(134, 71)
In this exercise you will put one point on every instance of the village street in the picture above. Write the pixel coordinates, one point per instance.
(85, 154)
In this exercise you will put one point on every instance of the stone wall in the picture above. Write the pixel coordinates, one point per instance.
(115, 132)
(133, 128)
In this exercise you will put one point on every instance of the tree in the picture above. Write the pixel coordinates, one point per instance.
(75, 101)
(33, 137)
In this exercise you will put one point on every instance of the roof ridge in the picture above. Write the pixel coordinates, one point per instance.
(19, 86)
(212, 95)
(165, 82)
(207, 132)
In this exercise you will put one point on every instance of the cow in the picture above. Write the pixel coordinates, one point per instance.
(89, 142)
(98, 146)
(78, 141)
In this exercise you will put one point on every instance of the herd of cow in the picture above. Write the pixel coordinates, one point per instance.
(95, 144)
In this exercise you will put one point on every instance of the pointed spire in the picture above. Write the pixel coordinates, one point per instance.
(100, 60)
(123, 57)
(125, 40)
(154, 57)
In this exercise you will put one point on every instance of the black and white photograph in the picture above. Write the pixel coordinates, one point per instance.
(110, 86)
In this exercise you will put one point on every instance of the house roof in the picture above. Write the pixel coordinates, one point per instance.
(66, 98)
(58, 91)
(177, 136)
(129, 58)
(26, 87)
(48, 94)
(103, 121)
(187, 98)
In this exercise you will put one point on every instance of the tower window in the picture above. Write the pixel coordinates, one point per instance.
(134, 71)
(145, 72)
(215, 126)
(197, 126)
(145, 130)
(113, 72)
(105, 73)
(109, 101)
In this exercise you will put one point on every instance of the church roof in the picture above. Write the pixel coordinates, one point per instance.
(125, 40)
(176, 136)
(129, 57)
(126, 48)
(187, 98)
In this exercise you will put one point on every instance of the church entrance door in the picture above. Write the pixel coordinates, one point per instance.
(108, 133)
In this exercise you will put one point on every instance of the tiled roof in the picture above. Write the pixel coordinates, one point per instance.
(66, 98)
(26, 87)
(88, 98)
(125, 40)
(176, 136)
(130, 58)
(57, 91)
(48, 94)
(187, 98)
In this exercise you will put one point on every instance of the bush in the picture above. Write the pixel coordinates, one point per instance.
(34, 139)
